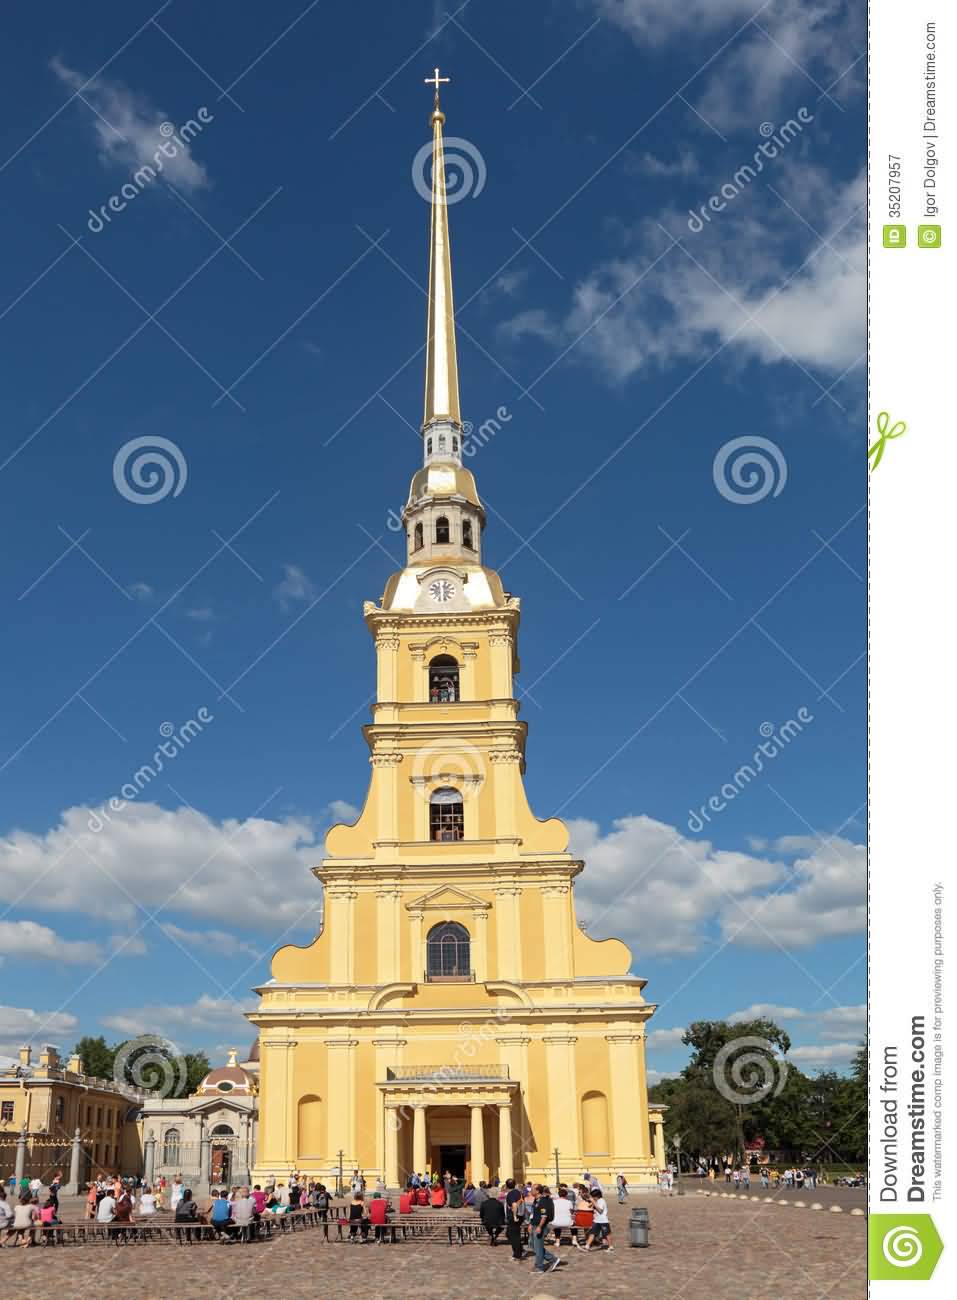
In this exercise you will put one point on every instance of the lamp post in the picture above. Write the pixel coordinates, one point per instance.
(340, 1153)
(676, 1143)
(558, 1180)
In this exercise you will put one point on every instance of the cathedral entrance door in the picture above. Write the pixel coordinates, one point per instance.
(452, 1159)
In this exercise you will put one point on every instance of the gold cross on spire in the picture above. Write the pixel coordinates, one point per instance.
(435, 80)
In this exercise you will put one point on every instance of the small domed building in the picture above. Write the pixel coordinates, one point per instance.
(209, 1137)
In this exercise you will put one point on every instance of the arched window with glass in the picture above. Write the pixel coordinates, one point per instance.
(441, 530)
(171, 1146)
(443, 680)
(448, 953)
(446, 815)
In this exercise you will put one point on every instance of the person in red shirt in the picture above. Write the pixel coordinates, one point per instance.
(378, 1217)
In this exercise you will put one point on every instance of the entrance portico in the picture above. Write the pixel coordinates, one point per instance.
(429, 1110)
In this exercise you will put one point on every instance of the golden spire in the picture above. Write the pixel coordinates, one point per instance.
(441, 366)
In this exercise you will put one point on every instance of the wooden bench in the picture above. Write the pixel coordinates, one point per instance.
(458, 1227)
(145, 1231)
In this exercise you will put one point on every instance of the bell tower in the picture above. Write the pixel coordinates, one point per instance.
(451, 1003)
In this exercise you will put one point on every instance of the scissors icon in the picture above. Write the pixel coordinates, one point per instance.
(887, 431)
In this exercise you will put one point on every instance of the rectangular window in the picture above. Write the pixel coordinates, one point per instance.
(6, 1111)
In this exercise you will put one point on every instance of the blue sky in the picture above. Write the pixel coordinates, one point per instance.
(623, 344)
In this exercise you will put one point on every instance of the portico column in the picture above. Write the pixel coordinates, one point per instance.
(72, 1188)
(418, 1139)
(477, 1143)
(204, 1145)
(21, 1158)
(392, 1122)
(149, 1159)
(506, 1160)
(659, 1124)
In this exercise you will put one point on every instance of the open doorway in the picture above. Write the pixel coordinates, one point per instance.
(452, 1160)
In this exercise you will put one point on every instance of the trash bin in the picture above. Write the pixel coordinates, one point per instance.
(639, 1225)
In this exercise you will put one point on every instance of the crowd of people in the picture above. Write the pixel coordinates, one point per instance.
(529, 1216)
(25, 1207)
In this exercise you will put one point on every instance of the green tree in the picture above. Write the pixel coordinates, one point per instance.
(96, 1056)
(739, 1064)
(154, 1065)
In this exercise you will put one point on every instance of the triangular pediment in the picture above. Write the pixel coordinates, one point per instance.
(447, 897)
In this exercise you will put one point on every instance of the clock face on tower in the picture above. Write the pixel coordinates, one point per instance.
(441, 590)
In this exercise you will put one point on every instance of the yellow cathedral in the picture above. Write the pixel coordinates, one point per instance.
(451, 1014)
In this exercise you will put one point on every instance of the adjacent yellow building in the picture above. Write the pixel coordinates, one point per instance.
(451, 1014)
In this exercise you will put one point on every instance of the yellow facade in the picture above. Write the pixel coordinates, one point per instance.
(451, 1012)
(50, 1102)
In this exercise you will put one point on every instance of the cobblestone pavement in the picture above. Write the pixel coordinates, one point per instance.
(697, 1243)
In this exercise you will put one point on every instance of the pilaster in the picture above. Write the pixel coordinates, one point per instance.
(564, 1120)
(508, 927)
(629, 1110)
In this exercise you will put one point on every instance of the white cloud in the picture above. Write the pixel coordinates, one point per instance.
(824, 1056)
(19, 1025)
(27, 940)
(202, 615)
(131, 945)
(253, 873)
(214, 943)
(295, 588)
(686, 164)
(654, 886)
(753, 283)
(341, 811)
(758, 71)
(510, 281)
(664, 893)
(141, 591)
(833, 1024)
(656, 1076)
(665, 1037)
(825, 898)
(206, 1013)
(534, 323)
(127, 128)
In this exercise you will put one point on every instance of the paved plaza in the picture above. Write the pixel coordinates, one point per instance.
(720, 1247)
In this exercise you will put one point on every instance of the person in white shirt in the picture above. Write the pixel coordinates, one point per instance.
(6, 1214)
(147, 1202)
(176, 1192)
(601, 1230)
(105, 1209)
(562, 1220)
